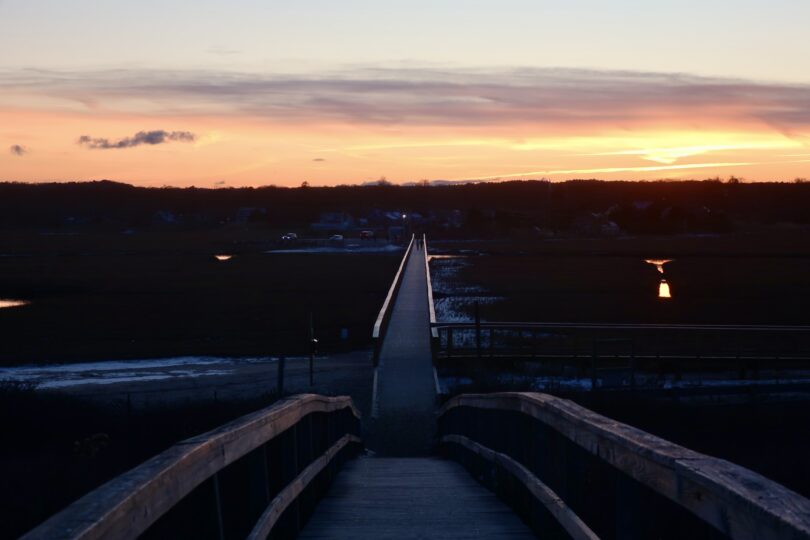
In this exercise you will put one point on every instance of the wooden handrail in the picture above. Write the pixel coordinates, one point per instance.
(392, 290)
(126, 506)
(566, 517)
(434, 332)
(381, 324)
(282, 501)
(736, 501)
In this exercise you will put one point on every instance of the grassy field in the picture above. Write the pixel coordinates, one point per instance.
(118, 296)
(761, 278)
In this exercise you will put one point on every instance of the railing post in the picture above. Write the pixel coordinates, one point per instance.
(259, 480)
(217, 503)
(477, 331)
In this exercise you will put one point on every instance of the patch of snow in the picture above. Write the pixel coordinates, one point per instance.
(116, 371)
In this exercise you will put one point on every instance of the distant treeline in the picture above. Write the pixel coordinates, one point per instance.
(664, 206)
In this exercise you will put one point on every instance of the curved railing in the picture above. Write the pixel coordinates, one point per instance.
(384, 317)
(260, 473)
(570, 470)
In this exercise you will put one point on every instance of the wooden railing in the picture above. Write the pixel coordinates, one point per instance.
(263, 472)
(574, 473)
(384, 317)
(434, 332)
(662, 348)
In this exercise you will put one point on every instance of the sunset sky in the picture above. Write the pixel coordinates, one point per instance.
(258, 92)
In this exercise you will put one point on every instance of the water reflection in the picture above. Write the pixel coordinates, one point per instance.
(659, 263)
(8, 303)
(663, 289)
(223, 257)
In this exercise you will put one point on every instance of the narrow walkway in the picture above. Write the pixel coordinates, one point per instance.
(410, 498)
(406, 390)
(421, 497)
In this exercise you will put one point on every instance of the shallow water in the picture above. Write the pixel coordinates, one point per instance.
(10, 303)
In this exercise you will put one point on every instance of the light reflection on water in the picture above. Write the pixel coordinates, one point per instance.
(663, 290)
(443, 257)
(223, 257)
(659, 263)
(8, 303)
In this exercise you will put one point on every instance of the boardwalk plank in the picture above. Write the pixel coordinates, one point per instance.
(406, 498)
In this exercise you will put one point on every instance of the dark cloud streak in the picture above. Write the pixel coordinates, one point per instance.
(569, 97)
(18, 150)
(140, 138)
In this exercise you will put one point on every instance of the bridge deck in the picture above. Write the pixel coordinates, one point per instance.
(406, 390)
(406, 498)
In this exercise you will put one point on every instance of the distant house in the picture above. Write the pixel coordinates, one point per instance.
(333, 221)
(247, 214)
(165, 217)
(396, 234)
(596, 225)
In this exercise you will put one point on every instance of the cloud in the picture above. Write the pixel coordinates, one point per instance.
(319, 159)
(18, 150)
(222, 51)
(570, 99)
(140, 138)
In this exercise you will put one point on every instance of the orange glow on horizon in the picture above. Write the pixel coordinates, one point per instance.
(244, 151)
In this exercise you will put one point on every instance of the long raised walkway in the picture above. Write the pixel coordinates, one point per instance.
(417, 496)
(405, 403)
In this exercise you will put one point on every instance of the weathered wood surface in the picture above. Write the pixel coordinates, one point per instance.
(410, 498)
(566, 517)
(127, 505)
(738, 502)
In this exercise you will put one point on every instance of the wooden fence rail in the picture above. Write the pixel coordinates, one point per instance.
(263, 472)
(656, 347)
(384, 317)
(570, 470)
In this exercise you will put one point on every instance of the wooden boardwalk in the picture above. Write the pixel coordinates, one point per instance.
(410, 498)
(405, 405)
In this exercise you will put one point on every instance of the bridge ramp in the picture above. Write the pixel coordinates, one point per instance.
(410, 498)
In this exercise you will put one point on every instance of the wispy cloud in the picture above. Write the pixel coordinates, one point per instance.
(576, 99)
(140, 138)
(668, 156)
(18, 150)
(319, 160)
